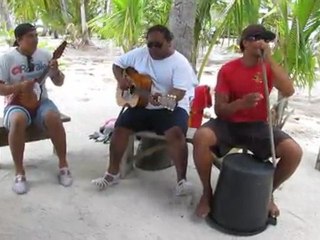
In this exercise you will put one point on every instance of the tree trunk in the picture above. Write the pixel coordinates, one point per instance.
(5, 15)
(55, 34)
(182, 22)
(64, 8)
(107, 6)
(45, 31)
(84, 26)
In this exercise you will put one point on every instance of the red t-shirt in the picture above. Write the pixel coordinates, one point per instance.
(237, 80)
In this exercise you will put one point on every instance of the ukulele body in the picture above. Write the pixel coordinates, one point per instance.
(28, 100)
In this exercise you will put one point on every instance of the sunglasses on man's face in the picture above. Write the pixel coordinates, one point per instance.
(257, 38)
(30, 64)
(154, 44)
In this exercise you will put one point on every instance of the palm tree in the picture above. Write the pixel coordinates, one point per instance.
(294, 49)
(182, 22)
(84, 27)
(230, 22)
(58, 15)
(64, 10)
(128, 20)
(5, 15)
(124, 24)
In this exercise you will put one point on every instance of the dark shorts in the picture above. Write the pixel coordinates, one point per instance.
(159, 120)
(253, 136)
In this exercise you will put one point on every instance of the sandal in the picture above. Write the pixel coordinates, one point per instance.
(106, 181)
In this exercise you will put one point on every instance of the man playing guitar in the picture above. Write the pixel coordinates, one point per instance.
(18, 70)
(172, 74)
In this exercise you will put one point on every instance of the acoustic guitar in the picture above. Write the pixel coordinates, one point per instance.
(140, 91)
(31, 100)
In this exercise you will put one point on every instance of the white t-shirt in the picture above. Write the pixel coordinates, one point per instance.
(172, 72)
(14, 68)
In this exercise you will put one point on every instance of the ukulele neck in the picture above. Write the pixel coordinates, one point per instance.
(43, 75)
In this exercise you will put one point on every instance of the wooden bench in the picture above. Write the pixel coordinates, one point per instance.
(130, 158)
(33, 133)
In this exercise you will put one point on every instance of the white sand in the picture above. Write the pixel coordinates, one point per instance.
(141, 206)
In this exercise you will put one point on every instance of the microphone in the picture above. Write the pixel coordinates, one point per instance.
(261, 51)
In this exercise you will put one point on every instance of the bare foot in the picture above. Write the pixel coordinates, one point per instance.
(203, 207)
(273, 209)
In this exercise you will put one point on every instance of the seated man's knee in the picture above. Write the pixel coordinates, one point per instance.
(204, 137)
(120, 134)
(290, 150)
(18, 120)
(175, 134)
(52, 118)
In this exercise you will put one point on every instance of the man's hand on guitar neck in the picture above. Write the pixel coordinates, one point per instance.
(55, 74)
(53, 64)
(167, 101)
(174, 95)
(178, 93)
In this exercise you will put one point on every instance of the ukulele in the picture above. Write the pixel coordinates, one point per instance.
(31, 100)
(140, 91)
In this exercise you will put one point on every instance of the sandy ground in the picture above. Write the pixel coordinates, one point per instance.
(141, 206)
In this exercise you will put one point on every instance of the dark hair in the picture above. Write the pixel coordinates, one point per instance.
(162, 29)
(21, 30)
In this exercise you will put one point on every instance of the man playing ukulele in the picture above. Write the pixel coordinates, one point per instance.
(171, 73)
(18, 69)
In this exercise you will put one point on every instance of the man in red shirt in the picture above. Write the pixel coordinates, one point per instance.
(240, 106)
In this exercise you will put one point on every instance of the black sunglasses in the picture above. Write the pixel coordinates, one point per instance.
(257, 38)
(30, 64)
(154, 44)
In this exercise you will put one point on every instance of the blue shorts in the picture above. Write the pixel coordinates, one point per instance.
(46, 106)
(159, 121)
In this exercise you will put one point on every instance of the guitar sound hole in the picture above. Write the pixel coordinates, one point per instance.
(131, 89)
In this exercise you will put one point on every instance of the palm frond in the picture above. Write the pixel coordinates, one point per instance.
(232, 20)
(294, 50)
(124, 24)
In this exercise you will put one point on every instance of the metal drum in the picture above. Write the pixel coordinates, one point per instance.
(241, 199)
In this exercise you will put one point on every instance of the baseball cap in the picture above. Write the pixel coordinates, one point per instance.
(256, 31)
(21, 30)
